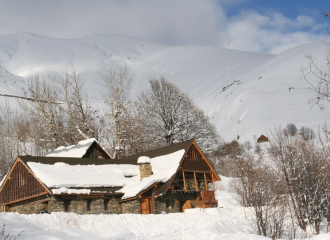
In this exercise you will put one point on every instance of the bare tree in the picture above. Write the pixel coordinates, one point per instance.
(318, 77)
(307, 133)
(14, 137)
(118, 81)
(259, 188)
(172, 117)
(303, 166)
(81, 116)
(45, 108)
(290, 129)
(134, 133)
(285, 155)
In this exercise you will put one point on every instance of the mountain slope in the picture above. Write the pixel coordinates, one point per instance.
(245, 94)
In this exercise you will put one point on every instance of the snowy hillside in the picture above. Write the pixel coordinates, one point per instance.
(245, 94)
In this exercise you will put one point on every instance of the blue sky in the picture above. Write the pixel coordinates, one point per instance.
(269, 26)
(290, 8)
(273, 25)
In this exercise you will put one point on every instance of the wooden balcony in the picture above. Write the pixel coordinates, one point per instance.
(206, 200)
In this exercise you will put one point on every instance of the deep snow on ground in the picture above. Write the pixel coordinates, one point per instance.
(228, 221)
(245, 94)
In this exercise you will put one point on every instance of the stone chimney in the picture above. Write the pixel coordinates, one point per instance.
(144, 167)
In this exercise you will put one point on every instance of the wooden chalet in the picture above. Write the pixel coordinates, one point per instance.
(169, 179)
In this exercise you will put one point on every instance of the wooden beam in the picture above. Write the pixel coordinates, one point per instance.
(26, 198)
(213, 181)
(196, 184)
(86, 195)
(184, 182)
(206, 186)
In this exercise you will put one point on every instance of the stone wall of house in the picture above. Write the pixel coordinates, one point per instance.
(113, 206)
(30, 206)
(170, 202)
(132, 206)
(107, 205)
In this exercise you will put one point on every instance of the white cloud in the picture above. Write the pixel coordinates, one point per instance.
(271, 32)
(171, 21)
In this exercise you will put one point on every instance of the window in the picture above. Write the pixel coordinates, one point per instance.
(46, 207)
(194, 155)
(89, 202)
(168, 203)
(67, 203)
(106, 204)
(20, 180)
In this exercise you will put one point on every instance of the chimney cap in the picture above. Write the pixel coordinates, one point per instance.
(144, 160)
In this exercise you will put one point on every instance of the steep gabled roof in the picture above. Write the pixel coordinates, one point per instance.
(82, 150)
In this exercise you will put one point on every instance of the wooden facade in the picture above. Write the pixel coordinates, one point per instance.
(20, 185)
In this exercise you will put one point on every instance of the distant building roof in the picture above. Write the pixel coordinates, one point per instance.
(262, 138)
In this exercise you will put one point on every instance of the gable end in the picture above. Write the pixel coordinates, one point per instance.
(96, 151)
(194, 161)
(20, 184)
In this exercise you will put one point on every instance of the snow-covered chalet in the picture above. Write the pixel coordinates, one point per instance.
(169, 179)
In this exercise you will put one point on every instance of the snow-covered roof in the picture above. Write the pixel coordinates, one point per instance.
(163, 168)
(76, 151)
(63, 177)
(72, 176)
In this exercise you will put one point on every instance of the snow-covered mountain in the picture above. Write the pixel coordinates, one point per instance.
(244, 93)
